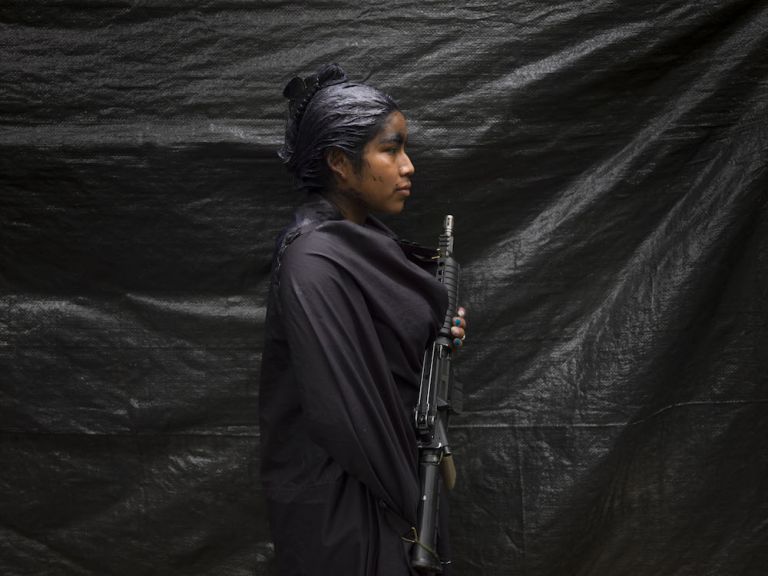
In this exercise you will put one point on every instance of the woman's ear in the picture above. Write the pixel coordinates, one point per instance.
(339, 163)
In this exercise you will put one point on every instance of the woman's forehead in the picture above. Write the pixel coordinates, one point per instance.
(394, 127)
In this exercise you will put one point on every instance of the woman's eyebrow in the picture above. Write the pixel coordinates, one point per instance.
(392, 138)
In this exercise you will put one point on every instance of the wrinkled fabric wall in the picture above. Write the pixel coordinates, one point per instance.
(606, 165)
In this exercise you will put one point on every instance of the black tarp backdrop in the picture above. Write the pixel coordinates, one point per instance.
(605, 162)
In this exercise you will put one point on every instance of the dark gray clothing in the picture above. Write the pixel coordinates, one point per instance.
(351, 310)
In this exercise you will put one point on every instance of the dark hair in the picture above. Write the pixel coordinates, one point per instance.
(328, 111)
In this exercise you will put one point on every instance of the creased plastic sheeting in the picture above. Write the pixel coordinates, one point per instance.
(605, 163)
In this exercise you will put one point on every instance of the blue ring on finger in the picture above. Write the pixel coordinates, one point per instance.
(457, 322)
(457, 342)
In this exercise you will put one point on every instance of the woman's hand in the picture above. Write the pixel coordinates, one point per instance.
(458, 328)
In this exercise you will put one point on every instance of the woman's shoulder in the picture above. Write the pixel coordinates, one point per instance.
(319, 228)
(341, 242)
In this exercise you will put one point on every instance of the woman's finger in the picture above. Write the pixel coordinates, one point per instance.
(457, 327)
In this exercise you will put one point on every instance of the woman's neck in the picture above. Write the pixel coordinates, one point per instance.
(348, 204)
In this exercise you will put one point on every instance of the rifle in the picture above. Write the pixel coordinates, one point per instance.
(436, 393)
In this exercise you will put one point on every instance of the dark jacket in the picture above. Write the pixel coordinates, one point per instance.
(350, 312)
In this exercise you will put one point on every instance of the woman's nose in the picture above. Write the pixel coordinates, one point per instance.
(406, 168)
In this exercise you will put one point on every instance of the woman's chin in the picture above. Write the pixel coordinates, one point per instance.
(396, 207)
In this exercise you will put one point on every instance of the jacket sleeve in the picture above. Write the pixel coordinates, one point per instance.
(349, 398)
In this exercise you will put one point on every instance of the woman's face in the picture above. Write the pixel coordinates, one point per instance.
(384, 181)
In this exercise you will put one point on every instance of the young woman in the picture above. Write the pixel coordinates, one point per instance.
(350, 312)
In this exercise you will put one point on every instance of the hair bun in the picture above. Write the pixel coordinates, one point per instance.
(299, 91)
(330, 74)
